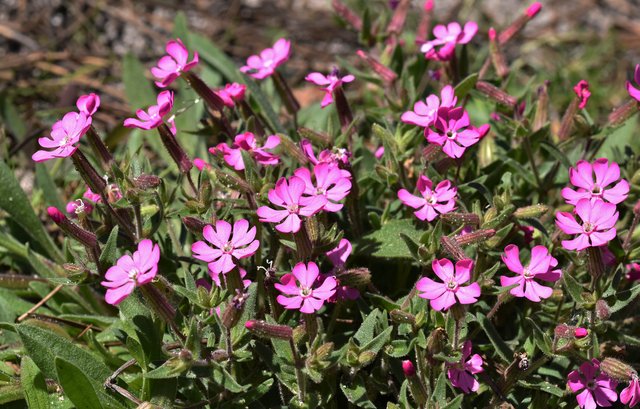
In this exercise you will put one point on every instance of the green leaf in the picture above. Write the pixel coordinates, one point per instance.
(138, 89)
(224, 379)
(83, 391)
(456, 403)
(48, 187)
(33, 384)
(440, 390)
(543, 386)
(10, 393)
(501, 347)
(388, 141)
(365, 333)
(573, 288)
(387, 242)
(215, 57)
(12, 118)
(109, 253)
(466, 85)
(542, 339)
(621, 303)
(265, 105)
(356, 392)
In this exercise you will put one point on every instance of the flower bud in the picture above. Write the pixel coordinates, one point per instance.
(384, 72)
(366, 357)
(398, 19)
(452, 248)
(219, 355)
(234, 310)
(519, 23)
(212, 99)
(355, 277)
(146, 182)
(603, 311)
(418, 391)
(497, 58)
(458, 219)
(402, 317)
(408, 368)
(477, 236)
(265, 330)
(580, 332)
(542, 107)
(83, 236)
(532, 211)
(617, 369)
(231, 181)
(347, 14)
(194, 224)
(496, 94)
(622, 113)
(431, 152)
(436, 342)
(636, 209)
(172, 146)
(424, 25)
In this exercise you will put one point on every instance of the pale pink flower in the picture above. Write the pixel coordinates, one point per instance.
(596, 228)
(131, 271)
(425, 115)
(65, 134)
(302, 291)
(633, 91)
(247, 142)
(338, 257)
(171, 66)
(333, 157)
(328, 83)
(582, 91)
(433, 202)
(597, 391)
(633, 271)
(288, 195)
(631, 394)
(79, 206)
(232, 93)
(263, 65)
(330, 181)
(593, 181)
(152, 118)
(444, 295)
(540, 267)
(88, 104)
(443, 47)
(454, 132)
(461, 374)
(227, 247)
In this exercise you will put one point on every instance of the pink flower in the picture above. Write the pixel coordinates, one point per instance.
(338, 257)
(131, 271)
(78, 207)
(173, 65)
(333, 157)
(596, 391)
(152, 118)
(331, 182)
(247, 142)
(231, 93)
(606, 174)
(226, 247)
(631, 394)
(94, 197)
(633, 91)
(454, 131)
(263, 65)
(443, 295)
(200, 164)
(216, 277)
(329, 83)
(582, 91)
(65, 134)
(446, 38)
(308, 295)
(596, 228)
(540, 267)
(288, 195)
(379, 153)
(88, 104)
(426, 114)
(461, 374)
(433, 202)
(633, 271)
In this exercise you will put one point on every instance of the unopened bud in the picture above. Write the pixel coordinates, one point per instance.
(212, 99)
(219, 355)
(347, 14)
(436, 342)
(83, 236)
(477, 236)
(497, 58)
(384, 72)
(564, 331)
(496, 94)
(355, 277)
(418, 391)
(452, 248)
(234, 310)
(146, 182)
(424, 25)
(617, 369)
(534, 9)
(532, 211)
(458, 219)
(265, 330)
(194, 224)
(231, 181)
(519, 23)
(172, 146)
(603, 311)
(580, 332)
(324, 351)
(408, 368)
(542, 107)
(366, 357)
(292, 149)
(315, 136)
(402, 317)
(622, 113)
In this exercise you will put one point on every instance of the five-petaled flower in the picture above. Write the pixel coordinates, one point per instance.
(606, 174)
(334, 157)
(232, 93)
(329, 84)
(308, 294)
(65, 134)
(433, 202)
(597, 226)
(582, 92)
(461, 374)
(330, 181)
(247, 142)
(88, 104)
(633, 91)
(596, 390)
(264, 65)
(631, 394)
(171, 66)
(540, 267)
(425, 115)
(131, 271)
(227, 247)
(338, 257)
(443, 47)
(444, 295)
(153, 117)
(454, 132)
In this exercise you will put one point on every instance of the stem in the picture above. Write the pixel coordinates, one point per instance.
(110, 382)
(534, 167)
(627, 240)
(289, 100)
(300, 378)
(99, 148)
(138, 217)
(229, 349)
(40, 303)
(311, 325)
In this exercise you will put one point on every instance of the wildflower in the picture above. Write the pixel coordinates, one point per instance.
(171, 66)
(631, 394)
(596, 391)
(433, 202)
(606, 174)
(330, 181)
(152, 118)
(633, 271)
(307, 295)
(88, 104)
(379, 153)
(65, 134)
(443, 295)
(131, 271)
(540, 267)
(200, 164)
(333, 157)
(582, 92)
(288, 195)
(329, 83)
(461, 374)
(454, 132)
(597, 225)
(338, 258)
(247, 142)
(446, 39)
(633, 91)
(264, 65)
(78, 206)
(426, 114)
(232, 93)
(226, 246)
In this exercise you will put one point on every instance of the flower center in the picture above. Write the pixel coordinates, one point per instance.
(268, 63)
(430, 198)
(588, 227)
(597, 190)
(452, 135)
(320, 191)
(305, 291)
(591, 385)
(227, 248)
(452, 285)
(293, 208)
(80, 208)
(64, 141)
(527, 274)
(133, 274)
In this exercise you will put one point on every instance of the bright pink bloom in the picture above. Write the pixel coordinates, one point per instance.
(633, 271)
(633, 91)
(328, 83)
(597, 227)
(408, 368)
(131, 271)
(338, 257)
(596, 391)
(65, 134)
(446, 38)
(88, 104)
(152, 118)
(94, 197)
(307, 295)
(443, 295)
(379, 153)
(580, 332)
(534, 9)
(631, 394)
(330, 181)
(78, 207)
(247, 142)
(232, 93)
(582, 91)
(440, 200)
(200, 164)
(461, 374)
(454, 132)
(606, 174)
(171, 66)
(226, 247)
(288, 195)
(540, 267)
(263, 65)
(332, 157)
(425, 115)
